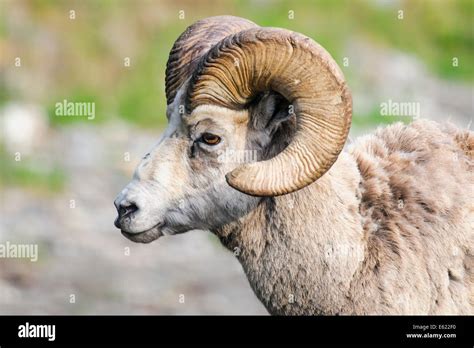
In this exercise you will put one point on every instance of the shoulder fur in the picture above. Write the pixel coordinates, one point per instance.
(417, 206)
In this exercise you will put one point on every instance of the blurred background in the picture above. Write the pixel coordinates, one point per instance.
(60, 175)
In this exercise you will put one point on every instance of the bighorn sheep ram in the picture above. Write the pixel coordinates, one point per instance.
(258, 118)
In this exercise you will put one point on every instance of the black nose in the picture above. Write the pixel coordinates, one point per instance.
(124, 209)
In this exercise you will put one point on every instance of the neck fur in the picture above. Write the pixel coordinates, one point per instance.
(300, 251)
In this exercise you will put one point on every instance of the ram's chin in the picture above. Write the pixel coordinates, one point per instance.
(146, 236)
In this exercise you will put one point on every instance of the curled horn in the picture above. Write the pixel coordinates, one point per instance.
(306, 75)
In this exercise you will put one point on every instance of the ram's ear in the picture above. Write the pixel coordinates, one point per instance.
(268, 111)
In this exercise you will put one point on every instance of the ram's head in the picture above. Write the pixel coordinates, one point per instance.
(252, 112)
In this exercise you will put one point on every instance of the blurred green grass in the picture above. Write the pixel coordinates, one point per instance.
(375, 118)
(26, 173)
(90, 50)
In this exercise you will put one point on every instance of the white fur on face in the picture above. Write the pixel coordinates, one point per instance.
(178, 191)
(157, 180)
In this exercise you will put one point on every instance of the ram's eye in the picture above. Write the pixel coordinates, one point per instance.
(210, 139)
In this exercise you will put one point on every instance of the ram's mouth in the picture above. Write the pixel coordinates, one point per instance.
(147, 236)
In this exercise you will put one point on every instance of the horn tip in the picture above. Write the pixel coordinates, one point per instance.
(236, 181)
(239, 180)
(233, 180)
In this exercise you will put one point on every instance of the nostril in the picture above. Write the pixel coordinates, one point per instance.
(127, 209)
